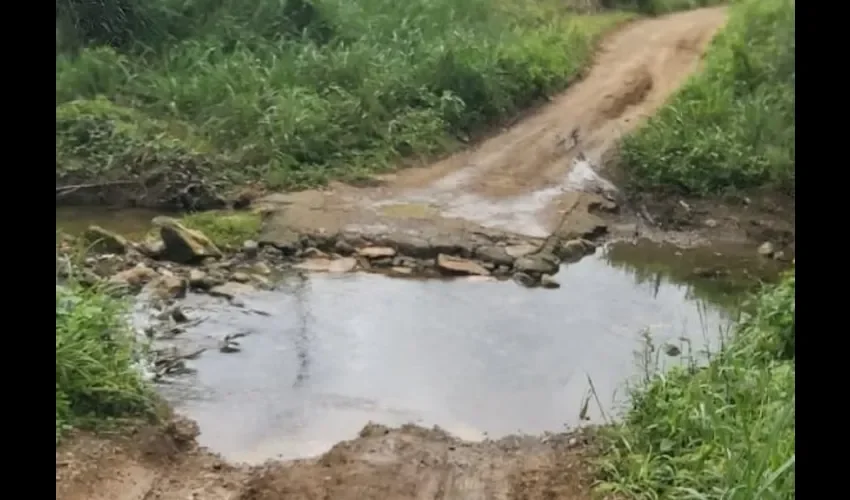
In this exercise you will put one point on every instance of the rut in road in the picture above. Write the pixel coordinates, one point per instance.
(636, 70)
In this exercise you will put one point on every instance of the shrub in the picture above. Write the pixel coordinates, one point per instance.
(96, 377)
(731, 127)
(722, 431)
(294, 93)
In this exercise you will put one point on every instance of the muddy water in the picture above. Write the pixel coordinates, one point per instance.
(133, 223)
(330, 353)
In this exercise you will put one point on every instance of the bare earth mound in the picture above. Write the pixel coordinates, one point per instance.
(522, 181)
(407, 463)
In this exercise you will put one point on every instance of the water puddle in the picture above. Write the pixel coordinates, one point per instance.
(476, 358)
(132, 223)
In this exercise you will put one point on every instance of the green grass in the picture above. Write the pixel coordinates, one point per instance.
(722, 431)
(731, 127)
(226, 229)
(96, 381)
(295, 92)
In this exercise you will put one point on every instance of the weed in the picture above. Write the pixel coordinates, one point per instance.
(226, 229)
(720, 431)
(731, 127)
(297, 95)
(96, 377)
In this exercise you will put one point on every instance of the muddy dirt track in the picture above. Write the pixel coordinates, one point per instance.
(527, 180)
(518, 181)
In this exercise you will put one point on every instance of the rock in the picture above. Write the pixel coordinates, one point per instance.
(325, 264)
(319, 264)
(524, 279)
(283, 238)
(261, 268)
(199, 280)
(313, 253)
(102, 241)
(537, 264)
(672, 350)
(452, 245)
(520, 250)
(574, 250)
(168, 286)
(547, 281)
(710, 223)
(134, 277)
(766, 249)
(184, 245)
(230, 290)
(196, 277)
(502, 270)
(402, 261)
(240, 277)
(343, 247)
(495, 254)
(376, 252)
(401, 271)
(175, 313)
(343, 265)
(457, 265)
(250, 248)
(414, 246)
(261, 281)
(382, 262)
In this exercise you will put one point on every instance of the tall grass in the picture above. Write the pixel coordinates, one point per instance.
(96, 380)
(295, 92)
(722, 431)
(732, 126)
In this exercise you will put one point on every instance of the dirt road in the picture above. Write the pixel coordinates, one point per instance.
(518, 181)
(528, 179)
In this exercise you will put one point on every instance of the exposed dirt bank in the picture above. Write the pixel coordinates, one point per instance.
(406, 463)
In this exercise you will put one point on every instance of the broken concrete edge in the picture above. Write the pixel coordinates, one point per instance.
(187, 260)
(499, 255)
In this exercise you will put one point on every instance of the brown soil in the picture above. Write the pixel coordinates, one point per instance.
(393, 464)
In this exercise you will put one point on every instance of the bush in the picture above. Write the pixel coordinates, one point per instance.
(298, 92)
(96, 380)
(101, 143)
(723, 431)
(732, 126)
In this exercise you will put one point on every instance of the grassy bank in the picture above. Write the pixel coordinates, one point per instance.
(96, 382)
(726, 431)
(295, 93)
(732, 126)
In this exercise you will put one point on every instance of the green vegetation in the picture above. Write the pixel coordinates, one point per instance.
(296, 92)
(96, 380)
(732, 126)
(723, 431)
(656, 7)
(226, 229)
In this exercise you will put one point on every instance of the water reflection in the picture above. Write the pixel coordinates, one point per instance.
(473, 357)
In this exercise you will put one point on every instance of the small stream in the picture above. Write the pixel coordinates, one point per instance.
(328, 353)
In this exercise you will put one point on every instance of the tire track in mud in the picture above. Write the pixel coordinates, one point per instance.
(516, 181)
